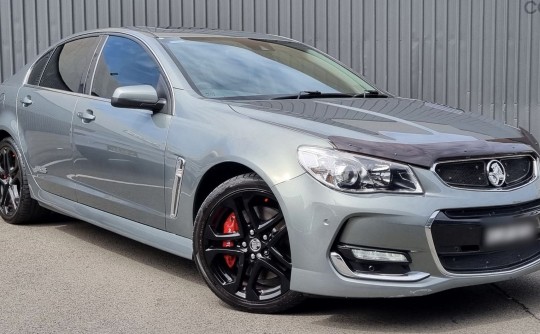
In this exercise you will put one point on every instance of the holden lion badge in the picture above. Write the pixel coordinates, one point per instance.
(496, 173)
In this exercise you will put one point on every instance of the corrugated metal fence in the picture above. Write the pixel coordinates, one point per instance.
(479, 55)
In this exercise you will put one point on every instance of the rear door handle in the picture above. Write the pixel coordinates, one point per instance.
(86, 116)
(26, 101)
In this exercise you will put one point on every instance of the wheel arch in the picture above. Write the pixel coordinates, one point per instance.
(215, 176)
(4, 134)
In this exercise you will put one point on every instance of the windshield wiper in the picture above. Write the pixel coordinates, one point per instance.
(371, 93)
(311, 94)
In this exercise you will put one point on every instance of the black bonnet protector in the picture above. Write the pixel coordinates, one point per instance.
(411, 131)
(485, 137)
(425, 155)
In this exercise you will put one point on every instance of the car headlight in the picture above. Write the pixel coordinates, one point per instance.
(357, 174)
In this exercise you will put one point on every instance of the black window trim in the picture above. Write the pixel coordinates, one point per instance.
(97, 52)
(92, 71)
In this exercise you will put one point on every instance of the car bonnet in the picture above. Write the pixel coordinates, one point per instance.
(400, 129)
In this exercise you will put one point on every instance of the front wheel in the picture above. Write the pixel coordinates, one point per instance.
(241, 247)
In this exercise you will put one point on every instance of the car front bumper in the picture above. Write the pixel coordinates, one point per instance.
(318, 217)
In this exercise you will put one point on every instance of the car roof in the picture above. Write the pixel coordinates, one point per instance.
(199, 32)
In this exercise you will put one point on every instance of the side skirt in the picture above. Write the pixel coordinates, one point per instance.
(145, 234)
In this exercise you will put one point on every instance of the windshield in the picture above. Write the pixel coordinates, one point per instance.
(226, 67)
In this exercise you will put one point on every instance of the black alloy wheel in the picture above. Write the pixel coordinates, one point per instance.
(10, 181)
(242, 246)
(16, 204)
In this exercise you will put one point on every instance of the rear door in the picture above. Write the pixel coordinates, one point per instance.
(45, 111)
(119, 153)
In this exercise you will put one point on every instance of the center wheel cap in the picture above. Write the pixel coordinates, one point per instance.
(255, 245)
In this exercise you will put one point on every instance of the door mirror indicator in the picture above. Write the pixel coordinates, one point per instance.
(137, 97)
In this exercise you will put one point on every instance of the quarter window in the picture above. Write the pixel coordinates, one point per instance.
(37, 70)
(124, 62)
(68, 67)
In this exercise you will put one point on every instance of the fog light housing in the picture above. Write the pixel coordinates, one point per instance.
(362, 259)
(379, 256)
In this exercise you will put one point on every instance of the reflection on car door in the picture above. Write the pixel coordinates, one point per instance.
(45, 111)
(119, 153)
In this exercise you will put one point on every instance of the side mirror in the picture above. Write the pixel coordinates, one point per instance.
(137, 97)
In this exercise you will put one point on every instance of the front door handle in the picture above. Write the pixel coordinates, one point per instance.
(86, 116)
(26, 101)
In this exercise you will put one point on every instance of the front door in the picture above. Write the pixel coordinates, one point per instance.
(119, 153)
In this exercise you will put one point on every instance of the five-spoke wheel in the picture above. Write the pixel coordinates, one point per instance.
(242, 246)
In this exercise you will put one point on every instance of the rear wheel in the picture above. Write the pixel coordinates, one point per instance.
(16, 204)
(242, 246)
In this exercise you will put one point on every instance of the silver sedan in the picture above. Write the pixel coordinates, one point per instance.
(280, 171)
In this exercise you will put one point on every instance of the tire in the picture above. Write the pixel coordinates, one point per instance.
(250, 268)
(16, 204)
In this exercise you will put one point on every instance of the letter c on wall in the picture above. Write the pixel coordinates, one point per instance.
(531, 7)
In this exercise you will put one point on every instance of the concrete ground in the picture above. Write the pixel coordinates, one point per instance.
(68, 276)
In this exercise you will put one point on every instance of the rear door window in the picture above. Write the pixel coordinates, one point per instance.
(69, 64)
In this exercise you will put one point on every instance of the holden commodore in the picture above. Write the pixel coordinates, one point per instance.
(277, 169)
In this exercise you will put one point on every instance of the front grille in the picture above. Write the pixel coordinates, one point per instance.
(459, 238)
(464, 173)
(517, 169)
(473, 174)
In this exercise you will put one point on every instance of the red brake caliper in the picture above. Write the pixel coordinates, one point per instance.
(229, 227)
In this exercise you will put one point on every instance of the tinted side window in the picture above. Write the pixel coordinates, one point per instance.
(69, 65)
(37, 70)
(123, 62)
